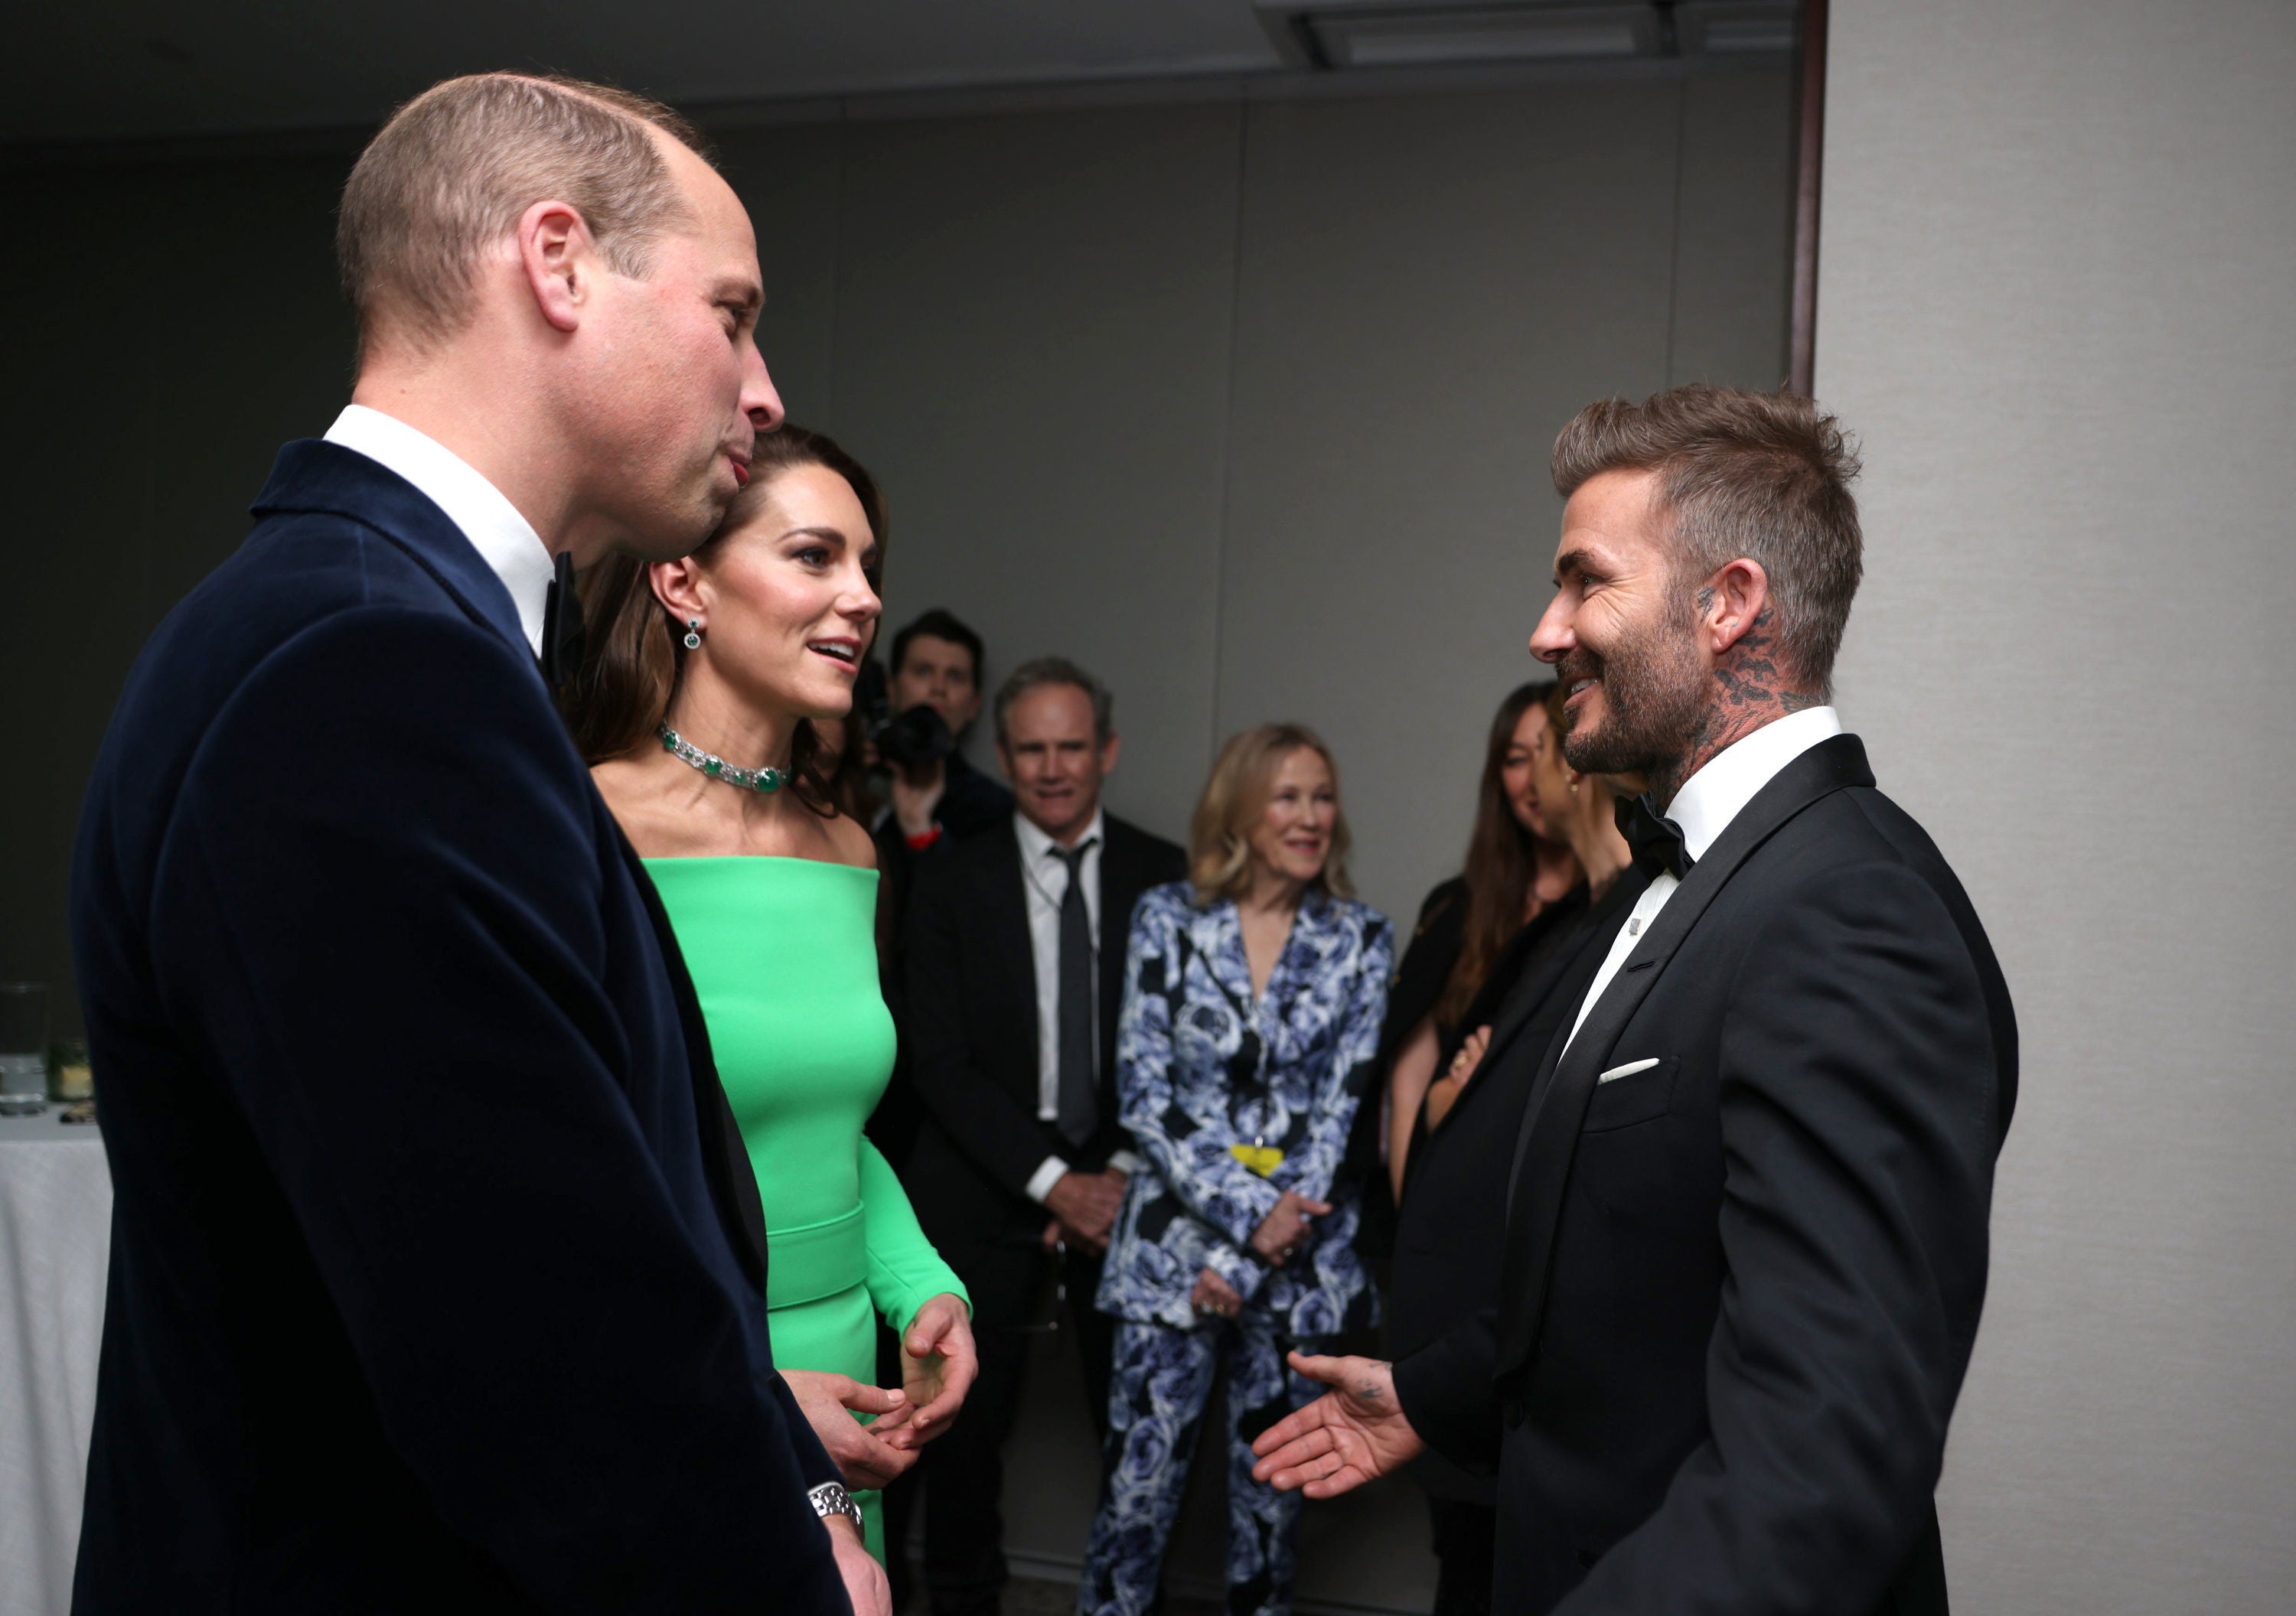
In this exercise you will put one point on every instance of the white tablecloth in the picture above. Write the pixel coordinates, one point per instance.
(55, 1233)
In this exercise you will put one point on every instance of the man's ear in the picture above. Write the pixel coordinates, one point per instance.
(559, 259)
(1731, 602)
(1108, 751)
(1004, 760)
(677, 585)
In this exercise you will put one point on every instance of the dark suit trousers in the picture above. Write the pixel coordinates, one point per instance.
(964, 1468)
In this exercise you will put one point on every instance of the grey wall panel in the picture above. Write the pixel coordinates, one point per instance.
(2056, 298)
(1735, 204)
(788, 178)
(173, 325)
(1032, 319)
(1429, 288)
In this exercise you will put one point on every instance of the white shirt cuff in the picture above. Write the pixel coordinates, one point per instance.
(1041, 1181)
(1125, 1161)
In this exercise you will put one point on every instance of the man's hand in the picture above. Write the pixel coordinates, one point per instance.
(866, 1583)
(1345, 1437)
(916, 792)
(1287, 1229)
(1086, 1204)
(862, 1453)
(1214, 1294)
(938, 1364)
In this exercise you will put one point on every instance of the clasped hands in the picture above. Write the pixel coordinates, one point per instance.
(939, 1363)
(1281, 1234)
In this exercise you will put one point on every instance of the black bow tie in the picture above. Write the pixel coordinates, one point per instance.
(561, 625)
(1656, 841)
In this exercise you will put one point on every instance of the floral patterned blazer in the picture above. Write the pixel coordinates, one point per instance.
(1202, 1069)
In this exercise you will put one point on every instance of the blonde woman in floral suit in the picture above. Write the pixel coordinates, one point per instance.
(1253, 996)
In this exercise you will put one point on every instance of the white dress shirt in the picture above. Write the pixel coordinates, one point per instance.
(1044, 879)
(1704, 807)
(504, 540)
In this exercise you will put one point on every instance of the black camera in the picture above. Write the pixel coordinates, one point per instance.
(903, 740)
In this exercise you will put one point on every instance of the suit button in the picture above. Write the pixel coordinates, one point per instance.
(1512, 1410)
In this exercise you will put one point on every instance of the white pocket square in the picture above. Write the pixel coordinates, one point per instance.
(1628, 1070)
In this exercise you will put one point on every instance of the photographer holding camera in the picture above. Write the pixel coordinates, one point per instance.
(934, 796)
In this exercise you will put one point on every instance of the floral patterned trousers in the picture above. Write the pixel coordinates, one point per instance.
(1162, 1379)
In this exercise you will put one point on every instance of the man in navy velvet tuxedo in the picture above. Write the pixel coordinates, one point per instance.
(437, 1280)
(1746, 1236)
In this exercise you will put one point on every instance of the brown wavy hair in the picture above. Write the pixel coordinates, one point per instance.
(1501, 864)
(1219, 851)
(634, 654)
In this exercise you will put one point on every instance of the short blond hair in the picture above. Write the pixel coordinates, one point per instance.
(1220, 848)
(451, 172)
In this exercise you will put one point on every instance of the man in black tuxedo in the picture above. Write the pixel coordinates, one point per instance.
(1746, 1234)
(1016, 970)
(438, 1277)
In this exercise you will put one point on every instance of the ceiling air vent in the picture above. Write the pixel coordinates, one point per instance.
(1342, 34)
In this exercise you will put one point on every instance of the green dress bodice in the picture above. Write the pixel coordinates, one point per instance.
(782, 953)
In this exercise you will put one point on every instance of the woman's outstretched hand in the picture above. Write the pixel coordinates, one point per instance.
(1345, 1437)
(868, 1456)
(939, 1364)
(1287, 1229)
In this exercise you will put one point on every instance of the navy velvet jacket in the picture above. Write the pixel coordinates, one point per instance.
(432, 1282)
(1202, 1069)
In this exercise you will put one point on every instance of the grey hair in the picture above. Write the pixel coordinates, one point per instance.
(1057, 670)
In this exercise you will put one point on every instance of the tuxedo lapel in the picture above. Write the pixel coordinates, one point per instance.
(1003, 901)
(1119, 889)
(1558, 1103)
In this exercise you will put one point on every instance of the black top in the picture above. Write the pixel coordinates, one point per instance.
(1742, 1274)
(434, 1285)
(971, 804)
(1452, 1222)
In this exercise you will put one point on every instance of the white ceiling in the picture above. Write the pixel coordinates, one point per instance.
(82, 70)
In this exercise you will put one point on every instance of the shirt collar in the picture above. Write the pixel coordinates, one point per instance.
(504, 540)
(1711, 798)
(1036, 846)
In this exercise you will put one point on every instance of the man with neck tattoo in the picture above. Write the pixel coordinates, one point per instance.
(1747, 1227)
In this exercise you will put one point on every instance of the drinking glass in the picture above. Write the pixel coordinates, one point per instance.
(23, 1047)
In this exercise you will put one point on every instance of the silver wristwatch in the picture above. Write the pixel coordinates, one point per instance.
(831, 1498)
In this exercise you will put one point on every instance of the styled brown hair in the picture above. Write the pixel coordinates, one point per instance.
(1501, 862)
(1243, 779)
(1765, 475)
(634, 654)
(448, 176)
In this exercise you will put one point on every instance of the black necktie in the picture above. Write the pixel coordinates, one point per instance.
(561, 625)
(1656, 841)
(1079, 1108)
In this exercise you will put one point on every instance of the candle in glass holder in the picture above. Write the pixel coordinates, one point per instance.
(70, 1076)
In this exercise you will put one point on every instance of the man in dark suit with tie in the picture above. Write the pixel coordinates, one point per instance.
(1747, 1229)
(437, 1279)
(1016, 970)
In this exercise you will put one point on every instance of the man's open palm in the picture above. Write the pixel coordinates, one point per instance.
(1345, 1437)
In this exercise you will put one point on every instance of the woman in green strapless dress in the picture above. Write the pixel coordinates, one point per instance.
(697, 711)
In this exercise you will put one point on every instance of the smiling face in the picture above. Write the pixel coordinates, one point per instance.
(1055, 762)
(787, 594)
(1519, 769)
(1623, 632)
(676, 391)
(1291, 838)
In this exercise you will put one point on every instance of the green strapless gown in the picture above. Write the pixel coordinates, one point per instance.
(783, 957)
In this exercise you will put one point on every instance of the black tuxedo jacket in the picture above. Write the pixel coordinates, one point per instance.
(971, 1034)
(1741, 1283)
(437, 1278)
(1451, 1226)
